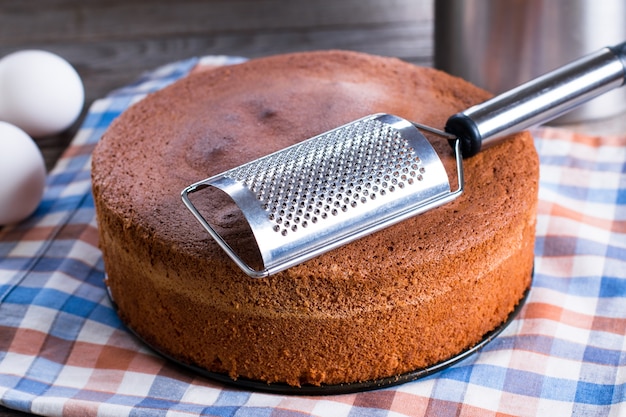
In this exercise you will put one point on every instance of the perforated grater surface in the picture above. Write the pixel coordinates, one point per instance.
(331, 189)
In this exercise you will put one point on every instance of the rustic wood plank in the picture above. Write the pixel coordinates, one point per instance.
(21, 22)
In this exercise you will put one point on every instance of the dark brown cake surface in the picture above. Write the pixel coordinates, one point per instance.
(404, 298)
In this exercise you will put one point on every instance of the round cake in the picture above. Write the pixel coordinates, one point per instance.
(399, 300)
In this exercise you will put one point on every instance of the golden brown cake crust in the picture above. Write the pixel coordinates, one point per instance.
(410, 296)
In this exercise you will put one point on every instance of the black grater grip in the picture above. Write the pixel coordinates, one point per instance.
(466, 130)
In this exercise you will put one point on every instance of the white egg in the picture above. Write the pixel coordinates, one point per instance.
(22, 174)
(40, 92)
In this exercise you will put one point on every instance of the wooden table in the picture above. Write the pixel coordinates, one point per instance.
(110, 43)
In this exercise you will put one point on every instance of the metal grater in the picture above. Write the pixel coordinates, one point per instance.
(331, 189)
(376, 171)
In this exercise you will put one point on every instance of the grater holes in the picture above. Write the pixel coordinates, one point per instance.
(331, 175)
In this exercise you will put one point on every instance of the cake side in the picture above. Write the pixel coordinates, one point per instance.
(387, 304)
(412, 328)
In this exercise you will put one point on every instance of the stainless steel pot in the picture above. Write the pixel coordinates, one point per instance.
(499, 44)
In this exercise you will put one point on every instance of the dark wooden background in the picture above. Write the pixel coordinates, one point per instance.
(110, 43)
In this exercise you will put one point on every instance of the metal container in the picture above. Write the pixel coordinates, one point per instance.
(499, 44)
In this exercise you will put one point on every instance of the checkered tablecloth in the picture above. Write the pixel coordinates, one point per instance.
(63, 350)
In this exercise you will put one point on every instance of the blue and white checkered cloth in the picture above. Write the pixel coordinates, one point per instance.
(63, 350)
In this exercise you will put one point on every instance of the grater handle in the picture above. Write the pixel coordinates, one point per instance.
(539, 100)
